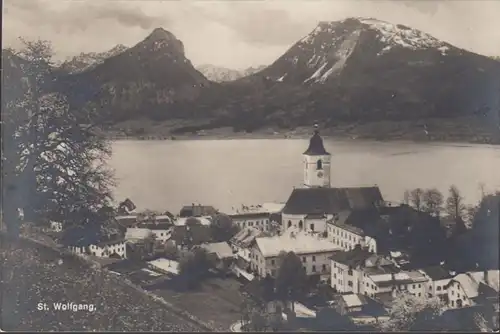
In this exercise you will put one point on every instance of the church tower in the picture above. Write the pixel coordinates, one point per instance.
(316, 163)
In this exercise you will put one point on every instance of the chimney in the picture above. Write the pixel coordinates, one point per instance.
(485, 274)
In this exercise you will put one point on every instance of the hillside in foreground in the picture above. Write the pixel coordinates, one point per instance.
(31, 275)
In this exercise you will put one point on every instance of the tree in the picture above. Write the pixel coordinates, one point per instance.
(455, 206)
(291, 278)
(433, 201)
(194, 266)
(222, 228)
(171, 251)
(416, 198)
(411, 313)
(53, 158)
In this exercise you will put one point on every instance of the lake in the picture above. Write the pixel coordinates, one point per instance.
(165, 175)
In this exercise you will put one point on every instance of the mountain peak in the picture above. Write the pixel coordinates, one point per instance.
(161, 39)
(160, 34)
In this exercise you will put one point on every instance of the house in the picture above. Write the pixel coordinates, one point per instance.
(260, 217)
(134, 234)
(347, 229)
(472, 288)
(92, 240)
(380, 281)
(164, 266)
(438, 279)
(310, 206)
(313, 251)
(195, 210)
(161, 231)
(241, 245)
(361, 272)
(353, 304)
(345, 272)
(221, 253)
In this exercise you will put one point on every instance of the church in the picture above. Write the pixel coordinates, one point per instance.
(310, 206)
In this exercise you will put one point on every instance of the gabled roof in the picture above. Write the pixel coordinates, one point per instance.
(245, 237)
(221, 249)
(469, 284)
(437, 273)
(352, 258)
(331, 200)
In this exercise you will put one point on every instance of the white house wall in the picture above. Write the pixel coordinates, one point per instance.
(260, 223)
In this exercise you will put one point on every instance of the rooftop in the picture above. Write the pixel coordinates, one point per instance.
(352, 258)
(221, 249)
(165, 265)
(265, 208)
(245, 237)
(437, 273)
(137, 233)
(331, 200)
(297, 242)
(181, 221)
(398, 277)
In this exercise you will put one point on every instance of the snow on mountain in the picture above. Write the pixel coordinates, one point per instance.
(324, 52)
(86, 61)
(222, 74)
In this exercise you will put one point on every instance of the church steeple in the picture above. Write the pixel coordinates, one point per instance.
(316, 146)
(316, 162)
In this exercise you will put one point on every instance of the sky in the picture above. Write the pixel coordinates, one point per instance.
(236, 34)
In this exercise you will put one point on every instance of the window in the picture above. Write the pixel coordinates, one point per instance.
(334, 265)
(438, 288)
(312, 227)
(459, 303)
(323, 267)
(349, 283)
(313, 268)
(373, 287)
(452, 303)
(413, 286)
(304, 259)
(319, 165)
(314, 258)
(335, 275)
(420, 285)
(272, 262)
(301, 224)
(419, 294)
(452, 292)
(289, 223)
(349, 272)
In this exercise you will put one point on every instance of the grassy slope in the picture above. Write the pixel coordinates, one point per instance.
(32, 275)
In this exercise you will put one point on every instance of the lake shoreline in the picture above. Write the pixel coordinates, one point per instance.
(464, 132)
(345, 138)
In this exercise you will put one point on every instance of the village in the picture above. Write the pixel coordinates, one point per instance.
(349, 252)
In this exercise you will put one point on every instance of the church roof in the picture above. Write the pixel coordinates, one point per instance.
(316, 146)
(331, 200)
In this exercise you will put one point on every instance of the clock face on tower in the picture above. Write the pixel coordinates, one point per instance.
(320, 174)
